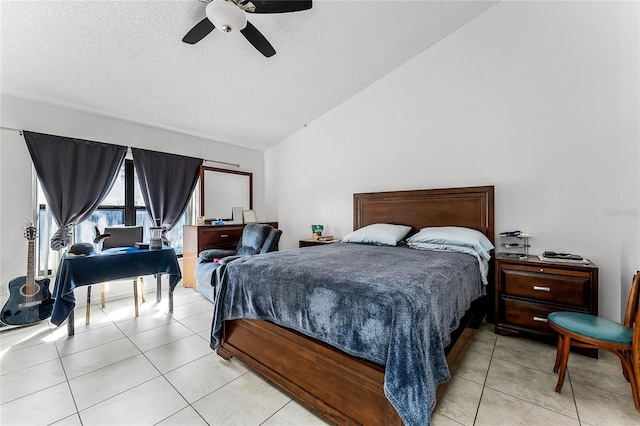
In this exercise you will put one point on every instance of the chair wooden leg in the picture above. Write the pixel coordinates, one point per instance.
(635, 389)
(87, 315)
(102, 295)
(141, 281)
(566, 348)
(556, 365)
(627, 369)
(626, 355)
(135, 295)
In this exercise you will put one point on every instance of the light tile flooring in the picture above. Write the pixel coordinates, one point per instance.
(159, 369)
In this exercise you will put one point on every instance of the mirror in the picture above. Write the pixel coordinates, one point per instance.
(221, 190)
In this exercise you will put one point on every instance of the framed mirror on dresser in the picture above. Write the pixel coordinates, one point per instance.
(221, 190)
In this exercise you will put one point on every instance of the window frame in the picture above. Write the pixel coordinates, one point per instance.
(129, 208)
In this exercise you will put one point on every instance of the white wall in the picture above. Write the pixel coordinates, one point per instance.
(539, 99)
(629, 217)
(16, 169)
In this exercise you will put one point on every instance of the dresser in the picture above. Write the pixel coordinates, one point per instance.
(527, 290)
(204, 237)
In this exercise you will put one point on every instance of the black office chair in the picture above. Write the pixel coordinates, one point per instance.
(121, 236)
(257, 238)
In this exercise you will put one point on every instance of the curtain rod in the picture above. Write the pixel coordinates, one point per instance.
(223, 162)
(11, 128)
(209, 161)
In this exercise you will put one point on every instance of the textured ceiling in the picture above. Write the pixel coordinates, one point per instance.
(125, 59)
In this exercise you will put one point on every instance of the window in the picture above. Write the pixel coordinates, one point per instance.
(124, 205)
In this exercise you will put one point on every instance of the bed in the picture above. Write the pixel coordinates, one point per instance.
(342, 381)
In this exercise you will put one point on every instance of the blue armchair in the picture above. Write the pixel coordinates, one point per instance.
(256, 238)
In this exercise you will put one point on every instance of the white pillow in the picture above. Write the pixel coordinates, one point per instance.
(378, 233)
(455, 235)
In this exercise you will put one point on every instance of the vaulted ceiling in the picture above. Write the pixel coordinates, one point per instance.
(125, 59)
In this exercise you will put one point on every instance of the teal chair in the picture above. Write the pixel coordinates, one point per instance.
(589, 331)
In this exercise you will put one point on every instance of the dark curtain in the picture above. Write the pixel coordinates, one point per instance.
(75, 175)
(166, 181)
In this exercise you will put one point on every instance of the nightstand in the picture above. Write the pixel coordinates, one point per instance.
(527, 290)
(309, 243)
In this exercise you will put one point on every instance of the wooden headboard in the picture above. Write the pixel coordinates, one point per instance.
(471, 207)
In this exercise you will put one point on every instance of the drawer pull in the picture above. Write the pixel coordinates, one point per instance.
(540, 319)
(538, 288)
(223, 235)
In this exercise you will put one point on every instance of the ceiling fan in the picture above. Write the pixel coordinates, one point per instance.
(229, 17)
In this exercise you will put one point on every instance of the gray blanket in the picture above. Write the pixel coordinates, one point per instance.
(394, 306)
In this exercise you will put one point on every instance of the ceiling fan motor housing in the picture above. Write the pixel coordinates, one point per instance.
(226, 16)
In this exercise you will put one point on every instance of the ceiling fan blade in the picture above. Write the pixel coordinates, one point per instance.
(256, 38)
(199, 32)
(280, 6)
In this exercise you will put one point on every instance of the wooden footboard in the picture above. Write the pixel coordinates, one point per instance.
(343, 389)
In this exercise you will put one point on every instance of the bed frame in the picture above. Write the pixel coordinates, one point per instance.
(343, 389)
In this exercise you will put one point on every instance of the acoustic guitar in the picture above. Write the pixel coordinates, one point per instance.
(29, 299)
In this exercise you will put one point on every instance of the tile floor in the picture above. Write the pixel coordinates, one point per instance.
(159, 370)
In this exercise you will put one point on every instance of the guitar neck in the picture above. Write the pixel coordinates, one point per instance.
(31, 264)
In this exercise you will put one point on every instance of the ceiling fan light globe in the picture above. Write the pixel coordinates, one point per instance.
(226, 16)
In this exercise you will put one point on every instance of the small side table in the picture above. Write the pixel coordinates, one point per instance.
(529, 289)
(310, 243)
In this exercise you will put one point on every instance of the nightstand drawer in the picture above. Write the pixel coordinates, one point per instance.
(528, 315)
(547, 286)
(220, 236)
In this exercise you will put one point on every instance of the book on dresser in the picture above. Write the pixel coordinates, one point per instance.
(197, 238)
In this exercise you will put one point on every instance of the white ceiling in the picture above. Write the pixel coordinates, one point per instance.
(125, 59)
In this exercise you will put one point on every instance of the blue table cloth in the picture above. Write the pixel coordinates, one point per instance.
(111, 264)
